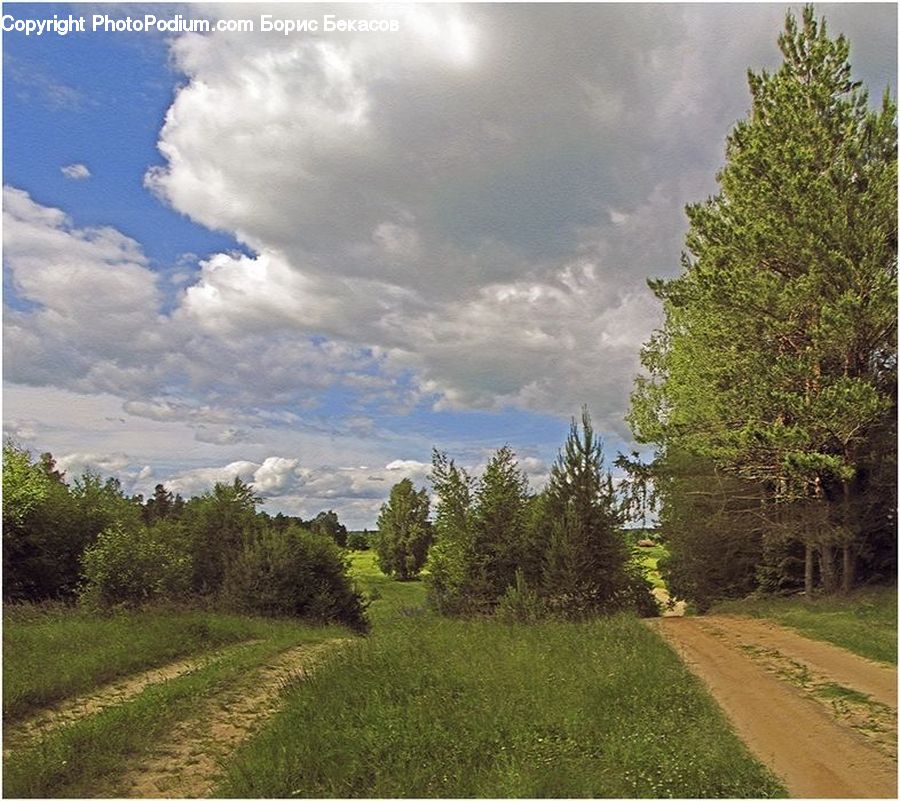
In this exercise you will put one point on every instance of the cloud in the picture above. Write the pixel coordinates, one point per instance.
(75, 172)
(479, 207)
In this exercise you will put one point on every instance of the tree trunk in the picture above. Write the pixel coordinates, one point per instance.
(808, 565)
(849, 576)
(826, 565)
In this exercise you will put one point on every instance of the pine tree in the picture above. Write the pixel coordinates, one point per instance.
(777, 360)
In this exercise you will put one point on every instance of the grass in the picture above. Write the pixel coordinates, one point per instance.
(649, 558)
(435, 707)
(390, 599)
(864, 622)
(76, 760)
(85, 650)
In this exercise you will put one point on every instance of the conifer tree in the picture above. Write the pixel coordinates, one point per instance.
(586, 561)
(777, 359)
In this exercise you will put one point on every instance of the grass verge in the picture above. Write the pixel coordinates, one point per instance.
(864, 622)
(433, 707)
(58, 652)
(76, 760)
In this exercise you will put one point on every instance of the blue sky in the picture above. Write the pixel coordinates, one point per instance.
(306, 260)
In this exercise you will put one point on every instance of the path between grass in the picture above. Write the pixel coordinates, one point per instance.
(770, 683)
(188, 762)
(20, 733)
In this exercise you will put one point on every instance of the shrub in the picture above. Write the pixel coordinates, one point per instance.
(296, 573)
(358, 541)
(131, 565)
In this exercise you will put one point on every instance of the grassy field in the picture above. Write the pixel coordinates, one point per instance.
(649, 558)
(864, 622)
(434, 707)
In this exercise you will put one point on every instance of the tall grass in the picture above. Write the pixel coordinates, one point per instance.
(434, 707)
(864, 621)
(57, 652)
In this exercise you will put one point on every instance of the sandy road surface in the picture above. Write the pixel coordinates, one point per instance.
(814, 753)
(187, 763)
(116, 692)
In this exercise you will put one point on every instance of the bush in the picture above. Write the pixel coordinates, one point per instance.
(132, 565)
(296, 573)
(358, 541)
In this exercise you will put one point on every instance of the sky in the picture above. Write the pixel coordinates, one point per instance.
(305, 260)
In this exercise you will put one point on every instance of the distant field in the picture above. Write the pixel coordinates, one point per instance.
(390, 599)
(649, 558)
(864, 622)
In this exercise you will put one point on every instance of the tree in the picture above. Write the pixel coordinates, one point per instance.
(586, 562)
(134, 565)
(499, 525)
(777, 360)
(217, 523)
(293, 572)
(327, 523)
(450, 554)
(404, 532)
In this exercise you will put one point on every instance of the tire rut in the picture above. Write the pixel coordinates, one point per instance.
(21, 733)
(815, 755)
(187, 763)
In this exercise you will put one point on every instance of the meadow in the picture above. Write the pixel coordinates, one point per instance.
(430, 706)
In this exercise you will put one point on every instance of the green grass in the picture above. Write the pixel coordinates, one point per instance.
(864, 622)
(60, 652)
(435, 707)
(391, 599)
(77, 760)
(649, 558)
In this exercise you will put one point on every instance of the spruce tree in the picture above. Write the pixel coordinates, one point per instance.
(586, 563)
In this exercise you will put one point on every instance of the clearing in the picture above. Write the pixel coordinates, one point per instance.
(823, 719)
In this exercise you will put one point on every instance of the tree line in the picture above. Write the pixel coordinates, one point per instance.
(770, 391)
(89, 541)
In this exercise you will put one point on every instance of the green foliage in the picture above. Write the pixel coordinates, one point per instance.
(293, 573)
(586, 567)
(358, 541)
(451, 552)
(218, 523)
(404, 532)
(777, 360)
(134, 565)
(47, 524)
(25, 485)
(327, 523)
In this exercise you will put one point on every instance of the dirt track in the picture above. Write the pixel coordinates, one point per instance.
(187, 763)
(112, 694)
(768, 681)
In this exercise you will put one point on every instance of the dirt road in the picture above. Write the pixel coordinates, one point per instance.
(188, 762)
(822, 719)
(21, 733)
